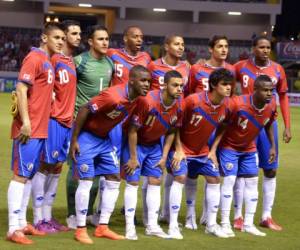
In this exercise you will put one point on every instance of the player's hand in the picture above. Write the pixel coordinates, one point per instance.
(131, 166)
(25, 132)
(74, 150)
(272, 155)
(177, 158)
(287, 136)
(161, 164)
(213, 157)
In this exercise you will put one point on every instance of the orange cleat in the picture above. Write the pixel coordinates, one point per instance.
(30, 230)
(82, 236)
(271, 224)
(238, 223)
(105, 232)
(19, 237)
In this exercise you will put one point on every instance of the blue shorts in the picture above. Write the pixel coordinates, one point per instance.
(201, 166)
(58, 143)
(97, 157)
(263, 148)
(26, 157)
(115, 136)
(237, 163)
(182, 170)
(148, 157)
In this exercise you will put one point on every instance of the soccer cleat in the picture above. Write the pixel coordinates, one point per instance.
(216, 230)
(174, 233)
(271, 224)
(131, 233)
(226, 228)
(238, 223)
(82, 236)
(30, 230)
(45, 227)
(102, 231)
(59, 227)
(190, 223)
(19, 237)
(253, 230)
(71, 222)
(156, 231)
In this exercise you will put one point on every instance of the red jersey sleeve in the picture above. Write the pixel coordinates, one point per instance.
(29, 70)
(140, 113)
(102, 102)
(282, 86)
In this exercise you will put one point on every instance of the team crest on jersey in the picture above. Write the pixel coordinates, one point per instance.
(229, 166)
(173, 120)
(266, 121)
(30, 166)
(55, 154)
(221, 118)
(84, 168)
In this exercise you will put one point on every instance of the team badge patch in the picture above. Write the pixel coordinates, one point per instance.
(30, 166)
(84, 168)
(229, 166)
(55, 154)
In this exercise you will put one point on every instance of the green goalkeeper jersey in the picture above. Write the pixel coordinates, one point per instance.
(93, 76)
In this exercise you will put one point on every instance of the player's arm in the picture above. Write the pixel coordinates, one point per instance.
(169, 139)
(82, 115)
(133, 162)
(179, 154)
(25, 131)
(270, 134)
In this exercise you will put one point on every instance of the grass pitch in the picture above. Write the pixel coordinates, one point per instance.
(286, 210)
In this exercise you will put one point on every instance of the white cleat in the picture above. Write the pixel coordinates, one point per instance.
(174, 233)
(227, 229)
(131, 233)
(71, 222)
(216, 230)
(156, 231)
(253, 230)
(190, 223)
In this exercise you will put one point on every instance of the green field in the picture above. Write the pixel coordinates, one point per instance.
(286, 210)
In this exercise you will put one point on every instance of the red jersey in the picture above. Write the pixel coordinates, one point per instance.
(246, 121)
(154, 119)
(159, 68)
(200, 119)
(108, 109)
(199, 75)
(247, 71)
(37, 72)
(124, 62)
(64, 89)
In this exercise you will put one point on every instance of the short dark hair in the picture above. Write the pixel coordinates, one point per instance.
(171, 74)
(170, 37)
(51, 26)
(92, 29)
(258, 38)
(67, 23)
(219, 75)
(127, 29)
(260, 79)
(213, 41)
(137, 69)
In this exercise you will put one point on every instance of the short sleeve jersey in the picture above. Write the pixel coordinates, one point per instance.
(93, 76)
(123, 62)
(245, 123)
(108, 109)
(199, 75)
(37, 72)
(247, 71)
(159, 68)
(154, 119)
(64, 89)
(200, 119)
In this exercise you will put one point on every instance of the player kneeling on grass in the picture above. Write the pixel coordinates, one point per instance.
(93, 153)
(30, 129)
(203, 113)
(158, 115)
(237, 152)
